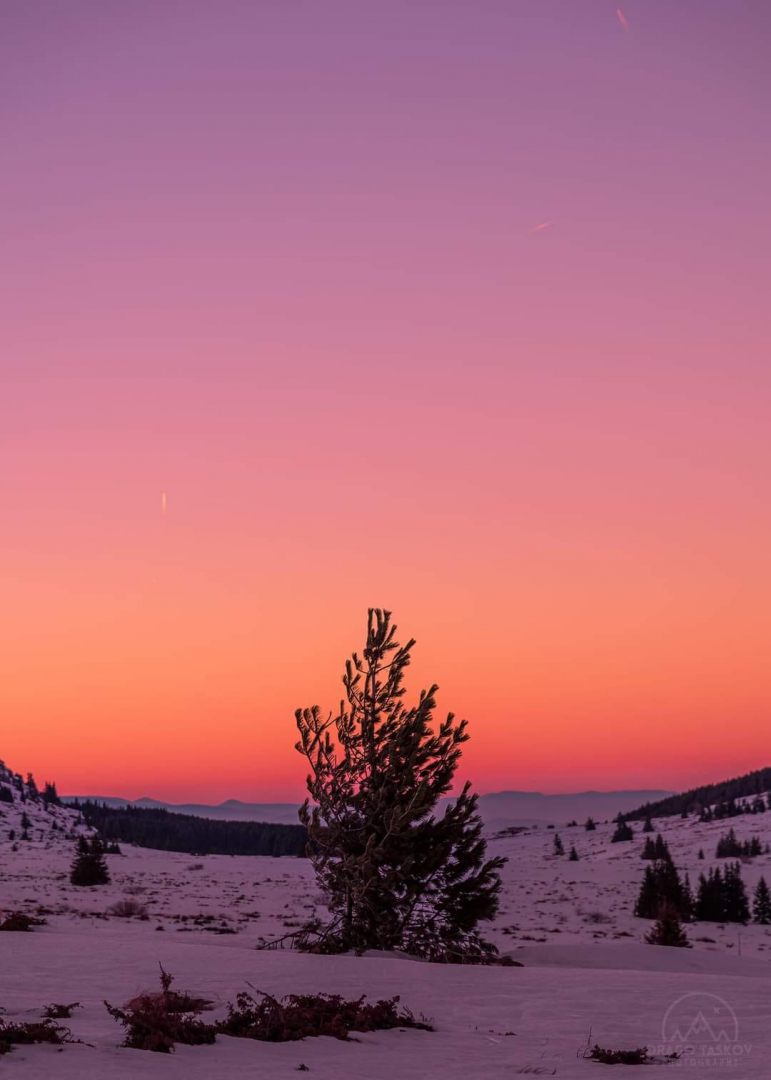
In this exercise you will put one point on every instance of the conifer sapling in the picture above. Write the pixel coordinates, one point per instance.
(397, 873)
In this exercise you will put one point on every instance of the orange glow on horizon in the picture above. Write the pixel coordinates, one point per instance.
(279, 271)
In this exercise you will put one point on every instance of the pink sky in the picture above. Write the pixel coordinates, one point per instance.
(282, 262)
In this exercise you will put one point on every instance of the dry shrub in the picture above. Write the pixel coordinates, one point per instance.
(39, 1031)
(60, 1012)
(639, 1056)
(128, 909)
(596, 918)
(299, 1016)
(617, 1057)
(17, 921)
(132, 889)
(157, 1021)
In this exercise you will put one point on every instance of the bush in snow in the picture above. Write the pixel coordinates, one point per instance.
(40, 1031)
(157, 1021)
(128, 909)
(299, 1016)
(18, 922)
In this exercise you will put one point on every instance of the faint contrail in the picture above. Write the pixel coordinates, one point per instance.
(622, 18)
(543, 225)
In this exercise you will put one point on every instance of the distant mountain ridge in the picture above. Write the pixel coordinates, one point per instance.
(230, 810)
(498, 808)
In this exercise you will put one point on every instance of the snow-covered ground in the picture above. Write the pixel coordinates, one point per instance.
(586, 971)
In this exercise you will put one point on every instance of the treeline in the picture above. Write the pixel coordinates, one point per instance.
(167, 831)
(698, 799)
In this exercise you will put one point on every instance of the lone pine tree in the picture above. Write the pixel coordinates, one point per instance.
(761, 903)
(88, 866)
(397, 874)
(668, 930)
(623, 831)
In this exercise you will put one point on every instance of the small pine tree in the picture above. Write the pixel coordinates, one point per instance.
(649, 849)
(709, 897)
(590, 824)
(668, 930)
(661, 885)
(50, 795)
(397, 874)
(558, 846)
(701, 853)
(687, 903)
(623, 831)
(648, 826)
(728, 847)
(88, 866)
(736, 903)
(723, 897)
(573, 856)
(761, 903)
(661, 849)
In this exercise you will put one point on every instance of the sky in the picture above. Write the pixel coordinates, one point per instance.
(453, 307)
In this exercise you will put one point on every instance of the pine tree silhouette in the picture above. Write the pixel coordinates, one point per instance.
(736, 904)
(623, 831)
(761, 903)
(722, 897)
(668, 930)
(661, 886)
(397, 875)
(649, 849)
(88, 866)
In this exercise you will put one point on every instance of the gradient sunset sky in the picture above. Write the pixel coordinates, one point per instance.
(456, 308)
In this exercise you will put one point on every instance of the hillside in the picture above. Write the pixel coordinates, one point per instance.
(170, 831)
(570, 923)
(698, 799)
(31, 817)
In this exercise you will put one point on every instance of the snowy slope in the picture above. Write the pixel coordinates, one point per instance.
(48, 826)
(569, 923)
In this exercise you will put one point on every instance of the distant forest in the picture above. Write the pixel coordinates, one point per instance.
(694, 801)
(167, 831)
